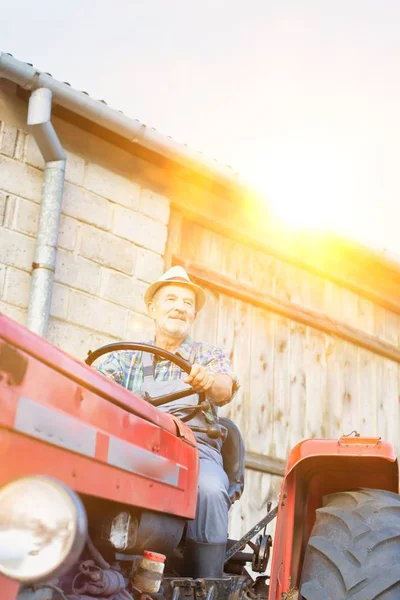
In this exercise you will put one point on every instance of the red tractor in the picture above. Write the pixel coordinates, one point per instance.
(96, 486)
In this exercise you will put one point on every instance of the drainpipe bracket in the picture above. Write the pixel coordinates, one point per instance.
(36, 265)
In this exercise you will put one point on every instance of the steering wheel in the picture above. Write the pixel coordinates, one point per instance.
(213, 430)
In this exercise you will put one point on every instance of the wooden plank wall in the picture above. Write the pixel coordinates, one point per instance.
(296, 381)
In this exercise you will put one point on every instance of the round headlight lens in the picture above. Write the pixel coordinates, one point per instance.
(43, 528)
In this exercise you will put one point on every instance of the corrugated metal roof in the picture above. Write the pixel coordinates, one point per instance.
(102, 101)
(98, 111)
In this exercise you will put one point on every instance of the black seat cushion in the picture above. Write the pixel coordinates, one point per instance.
(233, 456)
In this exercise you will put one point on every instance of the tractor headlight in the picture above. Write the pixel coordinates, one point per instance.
(43, 528)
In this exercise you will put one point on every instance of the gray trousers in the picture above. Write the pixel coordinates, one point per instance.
(213, 503)
(211, 521)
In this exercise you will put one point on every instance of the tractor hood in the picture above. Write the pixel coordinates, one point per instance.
(20, 338)
(61, 418)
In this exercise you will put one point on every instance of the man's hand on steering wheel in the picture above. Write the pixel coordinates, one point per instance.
(199, 378)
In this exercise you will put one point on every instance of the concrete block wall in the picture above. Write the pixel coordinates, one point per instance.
(112, 240)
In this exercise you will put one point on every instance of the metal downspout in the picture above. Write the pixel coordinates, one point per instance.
(43, 267)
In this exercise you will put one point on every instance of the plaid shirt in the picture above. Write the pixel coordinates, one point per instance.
(126, 366)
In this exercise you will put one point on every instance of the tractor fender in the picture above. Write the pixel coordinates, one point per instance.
(314, 469)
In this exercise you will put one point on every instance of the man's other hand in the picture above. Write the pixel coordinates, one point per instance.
(199, 378)
(218, 388)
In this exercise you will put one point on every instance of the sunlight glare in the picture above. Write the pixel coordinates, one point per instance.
(306, 187)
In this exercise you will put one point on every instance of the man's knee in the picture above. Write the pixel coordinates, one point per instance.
(213, 489)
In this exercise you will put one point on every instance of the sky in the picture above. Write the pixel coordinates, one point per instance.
(300, 97)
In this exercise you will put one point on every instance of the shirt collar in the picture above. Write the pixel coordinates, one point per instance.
(184, 349)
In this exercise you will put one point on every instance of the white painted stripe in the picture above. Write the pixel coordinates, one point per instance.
(55, 427)
(142, 462)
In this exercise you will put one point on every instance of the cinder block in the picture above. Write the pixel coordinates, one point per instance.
(2, 278)
(20, 179)
(32, 154)
(8, 216)
(149, 265)
(74, 168)
(59, 301)
(155, 206)
(20, 146)
(25, 216)
(108, 250)
(86, 207)
(76, 340)
(26, 220)
(13, 312)
(112, 186)
(68, 233)
(8, 139)
(77, 272)
(17, 287)
(97, 314)
(140, 328)
(16, 249)
(139, 229)
(3, 201)
(123, 290)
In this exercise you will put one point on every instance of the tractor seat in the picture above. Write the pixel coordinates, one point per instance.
(233, 456)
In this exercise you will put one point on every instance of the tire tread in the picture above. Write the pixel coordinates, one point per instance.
(354, 549)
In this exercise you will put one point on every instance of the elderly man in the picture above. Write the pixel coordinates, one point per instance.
(173, 302)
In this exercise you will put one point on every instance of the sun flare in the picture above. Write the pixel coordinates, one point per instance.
(307, 187)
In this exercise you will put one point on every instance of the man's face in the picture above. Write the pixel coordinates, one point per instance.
(173, 309)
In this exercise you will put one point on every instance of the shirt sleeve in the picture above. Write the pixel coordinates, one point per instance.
(217, 361)
(112, 368)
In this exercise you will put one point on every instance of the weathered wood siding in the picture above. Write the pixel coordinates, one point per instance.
(296, 381)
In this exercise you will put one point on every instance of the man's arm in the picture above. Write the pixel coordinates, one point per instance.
(218, 387)
(215, 377)
(112, 368)
(221, 391)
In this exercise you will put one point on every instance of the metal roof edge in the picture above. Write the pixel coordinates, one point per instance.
(30, 78)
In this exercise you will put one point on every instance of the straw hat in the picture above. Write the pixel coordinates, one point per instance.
(176, 275)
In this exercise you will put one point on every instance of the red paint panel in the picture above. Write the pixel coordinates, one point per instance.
(78, 375)
(128, 428)
(56, 384)
(87, 401)
(102, 444)
(8, 396)
(9, 589)
(29, 456)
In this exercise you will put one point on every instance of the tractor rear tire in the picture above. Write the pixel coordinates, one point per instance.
(354, 549)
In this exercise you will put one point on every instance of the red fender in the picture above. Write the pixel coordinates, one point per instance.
(315, 468)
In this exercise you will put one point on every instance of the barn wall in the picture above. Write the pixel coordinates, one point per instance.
(296, 381)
